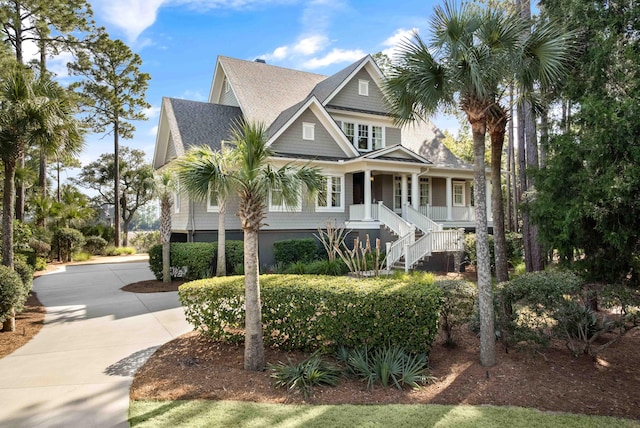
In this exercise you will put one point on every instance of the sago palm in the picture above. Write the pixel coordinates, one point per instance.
(251, 178)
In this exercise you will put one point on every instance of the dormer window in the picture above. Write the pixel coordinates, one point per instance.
(308, 131)
(363, 88)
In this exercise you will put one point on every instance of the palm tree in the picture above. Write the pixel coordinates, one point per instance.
(210, 179)
(251, 179)
(473, 52)
(31, 112)
(426, 78)
(165, 186)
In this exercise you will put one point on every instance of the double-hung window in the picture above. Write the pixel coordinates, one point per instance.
(213, 205)
(458, 194)
(330, 195)
(424, 191)
(365, 137)
(278, 204)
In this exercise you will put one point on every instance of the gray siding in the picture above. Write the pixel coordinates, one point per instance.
(171, 149)
(392, 136)
(348, 96)
(180, 220)
(229, 98)
(291, 139)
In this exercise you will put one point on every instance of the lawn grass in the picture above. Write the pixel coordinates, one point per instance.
(199, 413)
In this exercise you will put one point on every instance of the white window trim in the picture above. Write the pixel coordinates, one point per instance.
(369, 134)
(324, 209)
(210, 207)
(421, 182)
(464, 196)
(308, 131)
(363, 87)
(284, 208)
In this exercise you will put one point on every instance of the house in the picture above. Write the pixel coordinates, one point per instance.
(398, 184)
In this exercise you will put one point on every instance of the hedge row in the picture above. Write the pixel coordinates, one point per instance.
(312, 312)
(296, 250)
(195, 260)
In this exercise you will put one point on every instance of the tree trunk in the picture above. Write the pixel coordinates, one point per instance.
(485, 291)
(7, 227)
(512, 160)
(125, 232)
(116, 185)
(221, 267)
(166, 262)
(535, 257)
(497, 128)
(253, 345)
(20, 192)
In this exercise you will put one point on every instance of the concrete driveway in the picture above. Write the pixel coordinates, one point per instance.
(77, 371)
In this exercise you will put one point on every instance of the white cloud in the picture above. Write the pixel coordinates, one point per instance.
(399, 36)
(58, 64)
(336, 56)
(151, 112)
(193, 96)
(153, 131)
(134, 16)
(303, 47)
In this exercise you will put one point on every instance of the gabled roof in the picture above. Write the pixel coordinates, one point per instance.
(426, 140)
(331, 84)
(264, 91)
(192, 123)
(396, 152)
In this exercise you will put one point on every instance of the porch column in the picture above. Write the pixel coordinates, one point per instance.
(489, 208)
(415, 194)
(449, 199)
(367, 195)
(404, 191)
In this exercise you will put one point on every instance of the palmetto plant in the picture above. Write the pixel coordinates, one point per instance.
(472, 54)
(306, 374)
(250, 177)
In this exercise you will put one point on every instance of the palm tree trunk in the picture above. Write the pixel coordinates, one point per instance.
(20, 195)
(497, 129)
(253, 345)
(221, 267)
(165, 236)
(7, 227)
(485, 292)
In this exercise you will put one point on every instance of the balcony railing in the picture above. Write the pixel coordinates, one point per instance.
(439, 213)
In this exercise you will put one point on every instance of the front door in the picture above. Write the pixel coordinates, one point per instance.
(358, 188)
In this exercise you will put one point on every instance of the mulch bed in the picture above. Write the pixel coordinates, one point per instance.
(152, 286)
(28, 324)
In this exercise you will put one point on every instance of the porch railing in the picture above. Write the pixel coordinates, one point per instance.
(416, 251)
(423, 222)
(396, 249)
(448, 240)
(356, 212)
(440, 213)
(393, 221)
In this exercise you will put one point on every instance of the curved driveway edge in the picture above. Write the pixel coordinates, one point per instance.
(78, 370)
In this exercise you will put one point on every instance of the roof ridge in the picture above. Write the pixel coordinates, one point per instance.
(272, 65)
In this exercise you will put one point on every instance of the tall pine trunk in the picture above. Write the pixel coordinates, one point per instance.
(116, 185)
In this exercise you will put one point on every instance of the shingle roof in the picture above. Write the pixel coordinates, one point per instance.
(325, 88)
(203, 123)
(426, 140)
(264, 91)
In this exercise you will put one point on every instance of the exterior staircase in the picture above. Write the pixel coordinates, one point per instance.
(418, 237)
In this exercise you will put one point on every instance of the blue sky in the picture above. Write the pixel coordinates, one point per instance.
(179, 41)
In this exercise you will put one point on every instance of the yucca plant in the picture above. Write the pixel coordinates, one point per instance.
(389, 365)
(303, 376)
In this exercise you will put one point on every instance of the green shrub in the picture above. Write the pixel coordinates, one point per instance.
(297, 268)
(95, 245)
(295, 250)
(459, 299)
(104, 231)
(40, 264)
(388, 365)
(313, 312)
(24, 270)
(515, 250)
(327, 267)
(13, 293)
(143, 241)
(112, 251)
(81, 256)
(40, 247)
(304, 375)
(196, 260)
(69, 241)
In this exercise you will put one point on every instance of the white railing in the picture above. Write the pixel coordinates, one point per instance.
(440, 213)
(356, 212)
(396, 249)
(448, 240)
(416, 251)
(393, 221)
(423, 222)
